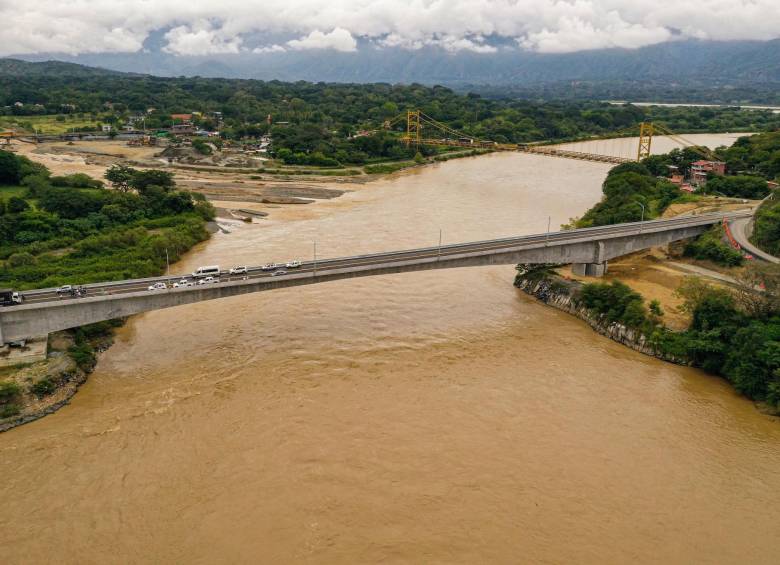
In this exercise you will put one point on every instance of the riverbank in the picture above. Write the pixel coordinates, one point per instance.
(566, 294)
(562, 294)
(35, 390)
(278, 423)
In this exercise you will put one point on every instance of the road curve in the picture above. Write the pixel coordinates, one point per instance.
(739, 230)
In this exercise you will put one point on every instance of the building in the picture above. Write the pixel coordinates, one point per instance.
(184, 118)
(106, 128)
(182, 129)
(700, 169)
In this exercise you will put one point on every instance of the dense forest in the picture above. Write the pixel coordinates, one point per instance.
(71, 229)
(316, 123)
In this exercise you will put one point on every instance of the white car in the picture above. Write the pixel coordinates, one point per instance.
(183, 283)
(208, 280)
(238, 270)
(270, 266)
(294, 264)
(64, 289)
(158, 286)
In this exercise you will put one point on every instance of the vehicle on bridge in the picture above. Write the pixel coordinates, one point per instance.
(65, 289)
(271, 266)
(278, 273)
(158, 286)
(238, 270)
(208, 280)
(10, 297)
(70, 290)
(294, 264)
(183, 283)
(208, 271)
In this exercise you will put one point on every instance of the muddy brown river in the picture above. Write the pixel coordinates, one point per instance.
(433, 417)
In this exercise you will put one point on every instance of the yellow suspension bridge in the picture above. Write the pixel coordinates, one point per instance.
(421, 129)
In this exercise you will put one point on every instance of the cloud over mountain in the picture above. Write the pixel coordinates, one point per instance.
(236, 26)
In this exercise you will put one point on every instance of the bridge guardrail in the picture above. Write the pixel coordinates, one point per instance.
(558, 237)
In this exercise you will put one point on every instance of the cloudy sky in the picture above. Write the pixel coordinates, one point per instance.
(198, 27)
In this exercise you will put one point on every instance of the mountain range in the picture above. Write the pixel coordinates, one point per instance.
(717, 62)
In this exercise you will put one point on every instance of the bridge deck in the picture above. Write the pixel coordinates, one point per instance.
(45, 311)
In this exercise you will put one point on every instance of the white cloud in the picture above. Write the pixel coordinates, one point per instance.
(339, 39)
(229, 26)
(200, 39)
(269, 49)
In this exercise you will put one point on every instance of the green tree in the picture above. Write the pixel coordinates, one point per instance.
(144, 179)
(120, 176)
(10, 168)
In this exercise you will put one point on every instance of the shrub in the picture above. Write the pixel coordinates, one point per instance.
(9, 390)
(83, 354)
(616, 301)
(386, 168)
(17, 205)
(43, 387)
(9, 410)
(201, 146)
(21, 259)
(710, 246)
(76, 180)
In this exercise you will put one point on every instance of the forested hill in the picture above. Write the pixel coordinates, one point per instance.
(321, 111)
(19, 68)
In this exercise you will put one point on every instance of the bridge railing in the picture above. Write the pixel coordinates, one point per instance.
(557, 237)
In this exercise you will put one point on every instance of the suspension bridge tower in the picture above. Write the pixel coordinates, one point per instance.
(645, 139)
(413, 128)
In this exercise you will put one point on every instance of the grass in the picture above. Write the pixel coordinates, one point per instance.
(7, 192)
(47, 124)
(316, 172)
(386, 168)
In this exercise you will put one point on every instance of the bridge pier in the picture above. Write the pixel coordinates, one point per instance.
(589, 269)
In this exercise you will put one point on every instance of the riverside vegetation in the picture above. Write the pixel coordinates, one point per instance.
(732, 333)
(72, 230)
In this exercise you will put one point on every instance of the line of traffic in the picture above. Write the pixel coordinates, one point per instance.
(213, 274)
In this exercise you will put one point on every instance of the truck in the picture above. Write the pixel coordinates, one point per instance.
(9, 297)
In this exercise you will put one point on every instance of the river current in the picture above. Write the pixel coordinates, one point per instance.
(434, 417)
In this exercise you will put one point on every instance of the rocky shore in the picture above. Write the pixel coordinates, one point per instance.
(561, 294)
(46, 386)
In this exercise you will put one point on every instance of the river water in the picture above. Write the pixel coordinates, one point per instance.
(436, 417)
(627, 146)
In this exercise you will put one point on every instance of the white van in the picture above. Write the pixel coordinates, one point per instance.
(209, 271)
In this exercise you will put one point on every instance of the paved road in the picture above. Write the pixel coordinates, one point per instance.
(321, 266)
(739, 229)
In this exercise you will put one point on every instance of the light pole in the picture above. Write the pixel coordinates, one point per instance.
(642, 218)
(167, 267)
(547, 237)
(438, 254)
(315, 258)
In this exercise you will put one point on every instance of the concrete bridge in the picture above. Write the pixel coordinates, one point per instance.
(588, 249)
